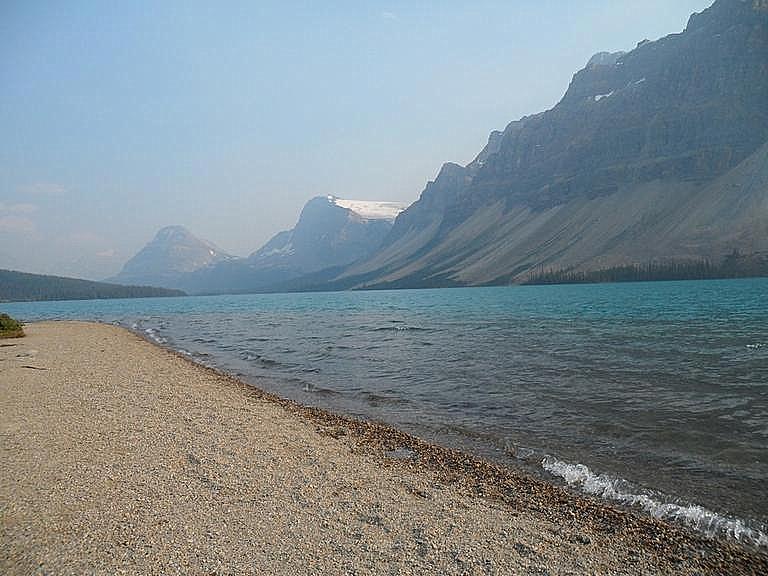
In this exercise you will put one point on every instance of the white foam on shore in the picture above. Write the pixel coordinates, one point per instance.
(152, 333)
(697, 517)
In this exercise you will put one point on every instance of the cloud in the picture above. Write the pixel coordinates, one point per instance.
(43, 189)
(16, 225)
(389, 15)
(84, 237)
(93, 243)
(21, 208)
(14, 219)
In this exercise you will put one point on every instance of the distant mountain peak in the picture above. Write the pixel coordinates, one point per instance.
(171, 233)
(330, 231)
(173, 251)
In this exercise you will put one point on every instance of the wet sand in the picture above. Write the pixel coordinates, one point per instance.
(119, 457)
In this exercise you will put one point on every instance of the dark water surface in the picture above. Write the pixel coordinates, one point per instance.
(650, 394)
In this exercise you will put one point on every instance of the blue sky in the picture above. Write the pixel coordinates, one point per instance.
(226, 117)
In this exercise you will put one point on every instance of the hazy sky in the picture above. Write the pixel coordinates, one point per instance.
(119, 118)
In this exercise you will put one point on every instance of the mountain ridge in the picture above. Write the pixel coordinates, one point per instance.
(576, 185)
(330, 233)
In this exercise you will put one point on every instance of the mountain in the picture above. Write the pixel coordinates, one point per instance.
(330, 233)
(658, 153)
(24, 287)
(173, 253)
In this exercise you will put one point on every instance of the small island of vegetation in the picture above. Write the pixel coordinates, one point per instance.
(10, 328)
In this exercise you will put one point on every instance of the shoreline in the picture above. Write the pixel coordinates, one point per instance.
(391, 443)
(490, 478)
(575, 533)
(692, 516)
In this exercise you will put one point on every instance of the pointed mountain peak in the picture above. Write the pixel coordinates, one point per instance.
(171, 233)
(174, 250)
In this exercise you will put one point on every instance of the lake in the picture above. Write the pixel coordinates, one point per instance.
(652, 395)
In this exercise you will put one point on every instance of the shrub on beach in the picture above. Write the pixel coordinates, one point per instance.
(10, 328)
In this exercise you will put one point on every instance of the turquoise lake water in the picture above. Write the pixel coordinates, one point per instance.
(653, 395)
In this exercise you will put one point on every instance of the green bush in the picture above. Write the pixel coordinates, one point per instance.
(10, 328)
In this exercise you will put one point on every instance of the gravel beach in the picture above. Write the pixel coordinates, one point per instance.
(120, 457)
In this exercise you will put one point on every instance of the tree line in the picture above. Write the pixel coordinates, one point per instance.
(25, 287)
(734, 265)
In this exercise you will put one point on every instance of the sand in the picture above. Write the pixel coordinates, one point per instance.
(119, 457)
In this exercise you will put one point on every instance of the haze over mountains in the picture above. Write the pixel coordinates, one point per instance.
(657, 154)
(330, 233)
(172, 253)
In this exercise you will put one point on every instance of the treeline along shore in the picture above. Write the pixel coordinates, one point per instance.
(122, 457)
(733, 266)
(25, 287)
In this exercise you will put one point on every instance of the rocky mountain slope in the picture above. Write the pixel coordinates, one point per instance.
(657, 153)
(173, 253)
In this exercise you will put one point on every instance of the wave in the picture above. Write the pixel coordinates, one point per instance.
(152, 333)
(697, 517)
(397, 328)
(310, 388)
(374, 399)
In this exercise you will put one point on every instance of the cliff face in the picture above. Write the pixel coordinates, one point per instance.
(638, 141)
(326, 234)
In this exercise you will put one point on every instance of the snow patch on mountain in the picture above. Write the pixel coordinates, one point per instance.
(599, 97)
(370, 209)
